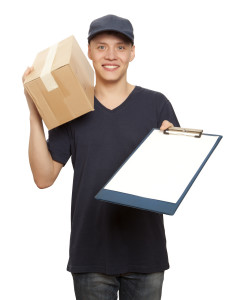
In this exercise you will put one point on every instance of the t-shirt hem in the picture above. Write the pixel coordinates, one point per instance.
(117, 270)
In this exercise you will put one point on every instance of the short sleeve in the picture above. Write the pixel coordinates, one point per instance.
(166, 112)
(58, 143)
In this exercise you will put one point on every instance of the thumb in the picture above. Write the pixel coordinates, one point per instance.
(165, 125)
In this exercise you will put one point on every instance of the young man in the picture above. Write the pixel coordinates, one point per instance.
(112, 247)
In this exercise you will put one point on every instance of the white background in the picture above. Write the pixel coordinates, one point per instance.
(186, 49)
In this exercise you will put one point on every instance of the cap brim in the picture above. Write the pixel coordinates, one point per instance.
(90, 37)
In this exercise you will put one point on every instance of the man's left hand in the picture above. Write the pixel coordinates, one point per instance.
(165, 125)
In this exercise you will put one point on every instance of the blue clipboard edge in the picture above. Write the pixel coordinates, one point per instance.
(149, 204)
(138, 202)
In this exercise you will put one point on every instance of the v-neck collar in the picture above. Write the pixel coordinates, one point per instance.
(121, 106)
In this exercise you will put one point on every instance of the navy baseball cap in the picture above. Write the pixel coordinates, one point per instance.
(111, 23)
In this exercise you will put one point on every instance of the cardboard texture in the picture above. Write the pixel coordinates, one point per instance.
(62, 83)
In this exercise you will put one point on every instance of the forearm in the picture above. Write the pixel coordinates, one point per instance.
(39, 157)
(44, 169)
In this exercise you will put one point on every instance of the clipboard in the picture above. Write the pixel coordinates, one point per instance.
(161, 170)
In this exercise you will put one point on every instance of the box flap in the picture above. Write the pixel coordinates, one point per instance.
(63, 53)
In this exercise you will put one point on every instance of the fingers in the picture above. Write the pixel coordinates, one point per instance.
(26, 73)
(165, 125)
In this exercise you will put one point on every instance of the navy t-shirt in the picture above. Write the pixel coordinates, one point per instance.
(109, 238)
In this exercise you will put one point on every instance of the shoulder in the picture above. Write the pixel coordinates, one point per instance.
(152, 95)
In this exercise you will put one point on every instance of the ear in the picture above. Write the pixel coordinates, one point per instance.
(132, 53)
(89, 52)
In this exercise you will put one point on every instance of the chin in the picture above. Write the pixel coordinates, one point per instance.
(111, 78)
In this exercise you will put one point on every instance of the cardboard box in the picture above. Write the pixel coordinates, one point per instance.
(62, 83)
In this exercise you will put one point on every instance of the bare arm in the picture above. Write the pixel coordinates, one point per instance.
(44, 169)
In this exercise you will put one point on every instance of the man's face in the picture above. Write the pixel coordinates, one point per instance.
(110, 55)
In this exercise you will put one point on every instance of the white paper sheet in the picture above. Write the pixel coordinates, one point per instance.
(162, 166)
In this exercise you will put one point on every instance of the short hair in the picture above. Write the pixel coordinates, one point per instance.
(118, 34)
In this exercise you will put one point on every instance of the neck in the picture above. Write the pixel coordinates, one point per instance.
(112, 90)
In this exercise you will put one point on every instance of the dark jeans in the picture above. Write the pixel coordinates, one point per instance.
(131, 286)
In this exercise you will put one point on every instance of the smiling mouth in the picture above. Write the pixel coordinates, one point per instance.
(110, 67)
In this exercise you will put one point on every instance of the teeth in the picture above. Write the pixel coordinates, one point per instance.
(111, 67)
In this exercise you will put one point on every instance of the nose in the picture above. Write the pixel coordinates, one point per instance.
(110, 53)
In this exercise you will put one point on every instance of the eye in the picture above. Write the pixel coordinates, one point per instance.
(121, 47)
(101, 47)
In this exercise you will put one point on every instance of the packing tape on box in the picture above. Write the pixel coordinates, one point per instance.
(46, 76)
